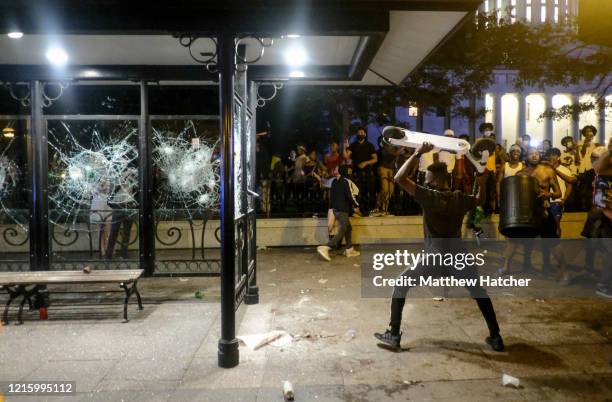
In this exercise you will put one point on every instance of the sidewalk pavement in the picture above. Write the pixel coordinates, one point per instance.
(560, 349)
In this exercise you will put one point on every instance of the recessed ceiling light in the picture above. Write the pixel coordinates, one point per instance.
(297, 74)
(293, 36)
(57, 56)
(15, 35)
(295, 56)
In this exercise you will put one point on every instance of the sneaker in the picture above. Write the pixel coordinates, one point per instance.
(324, 252)
(604, 291)
(496, 342)
(388, 340)
(351, 252)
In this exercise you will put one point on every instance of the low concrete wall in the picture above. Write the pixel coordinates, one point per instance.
(286, 232)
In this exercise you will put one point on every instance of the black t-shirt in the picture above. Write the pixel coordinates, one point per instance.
(443, 212)
(361, 153)
(262, 163)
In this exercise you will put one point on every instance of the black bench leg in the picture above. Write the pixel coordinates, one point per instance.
(125, 303)
(13, 294)
(135, 289)
(20, 314)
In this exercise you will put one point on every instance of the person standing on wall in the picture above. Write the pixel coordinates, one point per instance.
(364, 157)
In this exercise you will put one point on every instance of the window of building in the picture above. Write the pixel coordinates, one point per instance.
(512, 11)
(486, 6)
(528, 10)
(543, 11)
(556, 16)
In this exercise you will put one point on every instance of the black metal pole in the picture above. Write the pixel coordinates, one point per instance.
(146, 223)
(228, 344)
(252, 295)
(39, 166)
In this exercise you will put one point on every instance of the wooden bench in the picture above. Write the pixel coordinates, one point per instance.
(17, 283)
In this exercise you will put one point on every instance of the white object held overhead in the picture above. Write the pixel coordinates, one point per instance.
(413, 139)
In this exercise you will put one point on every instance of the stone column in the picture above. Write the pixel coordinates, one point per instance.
(497, 116)
(601, 133)
(521, 126)
(550, 11)
(519, 10)
(575, 130)
(536, 9)
(548, 123)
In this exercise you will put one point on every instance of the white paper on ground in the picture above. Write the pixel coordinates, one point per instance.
(255, 341)
(508, 380)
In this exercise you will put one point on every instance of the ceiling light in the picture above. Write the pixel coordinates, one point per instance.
(297, 74)
(8, 132)
(57, 56)
(295, 56)
(293, 36)
(15, 35)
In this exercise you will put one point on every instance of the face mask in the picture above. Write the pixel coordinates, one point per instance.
(487, 133)
(361, 137)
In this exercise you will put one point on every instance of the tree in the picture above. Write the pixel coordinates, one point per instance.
(541, 55)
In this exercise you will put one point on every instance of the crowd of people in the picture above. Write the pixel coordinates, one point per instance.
(356, 179)
(294, 184)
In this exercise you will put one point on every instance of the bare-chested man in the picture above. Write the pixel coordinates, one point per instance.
(548, 187)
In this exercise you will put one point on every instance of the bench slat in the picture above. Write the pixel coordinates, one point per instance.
(65, 277)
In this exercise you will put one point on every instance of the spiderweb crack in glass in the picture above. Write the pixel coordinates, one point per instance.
(189, 171)
(9, 179)
(80, 173)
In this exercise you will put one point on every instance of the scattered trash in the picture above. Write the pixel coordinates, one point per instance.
(302, 291)
(262, 248)
(350, 335)
(271, 284)
(355, 265)
(509, 381)
(272, 270)
(438, 298)
(288, 393)
(323, 281)
(256, 341)
(282, 341)
(184, 279)
(198, 295)
(308, 335)
(87, 269)
(540, 300)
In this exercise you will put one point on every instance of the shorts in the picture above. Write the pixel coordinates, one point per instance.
(556, 210)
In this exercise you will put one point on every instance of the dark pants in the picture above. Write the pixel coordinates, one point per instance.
(598, 231)
(366, 182)
(120, 217)
(344, 230)
(477, 292)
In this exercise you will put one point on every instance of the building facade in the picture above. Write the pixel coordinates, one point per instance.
(514, 112)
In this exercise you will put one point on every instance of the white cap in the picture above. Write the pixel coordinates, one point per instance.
(449, 133)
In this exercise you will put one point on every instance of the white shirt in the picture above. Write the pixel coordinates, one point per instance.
(509, 171)
(449, 158)
(585, 161)
(562, 184)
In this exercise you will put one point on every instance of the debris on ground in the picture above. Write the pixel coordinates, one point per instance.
(323, 281)
(262, 248)
(282, 341)
(302, 291)
(355, 265)
(198, 295)
(288, 393)
(509, 381)
(350, 335)
(272, 270)
(309, 335)
(184, 279)
(272, 284)
(255, 341)
(87, 269)
(540, 300)
(438, 298)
